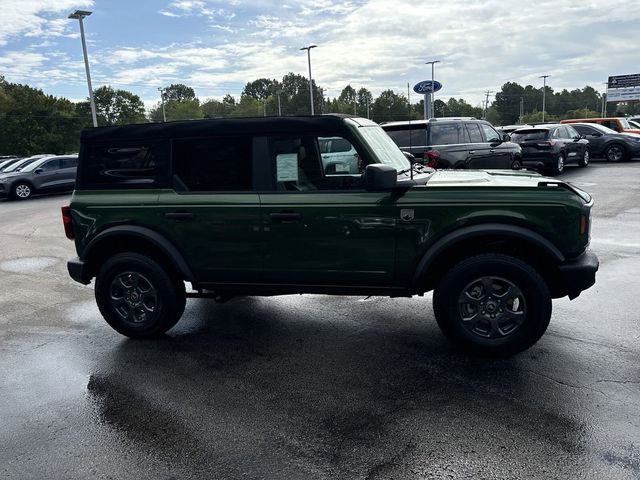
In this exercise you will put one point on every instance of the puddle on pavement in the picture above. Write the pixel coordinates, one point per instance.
(28, 264)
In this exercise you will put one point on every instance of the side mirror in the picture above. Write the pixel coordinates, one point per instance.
(379, 176)
(506, 137)
(38, 171)
(410, 156)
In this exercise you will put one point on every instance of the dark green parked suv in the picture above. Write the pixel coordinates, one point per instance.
(248, 207)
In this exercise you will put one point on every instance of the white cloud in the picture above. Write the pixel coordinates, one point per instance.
(27, 17)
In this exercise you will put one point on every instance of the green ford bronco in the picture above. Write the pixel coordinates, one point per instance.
(261, 206)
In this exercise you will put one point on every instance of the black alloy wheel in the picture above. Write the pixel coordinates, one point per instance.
(614, 153)
(492, 304)
(137, 296)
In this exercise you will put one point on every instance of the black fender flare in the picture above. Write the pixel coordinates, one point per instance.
(158, 240)
(473, 231)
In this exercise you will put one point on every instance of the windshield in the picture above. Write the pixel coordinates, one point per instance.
(634, 124)
(528, 135)
(30, 167)
(381, 144)
(17, 165)
(602, 128)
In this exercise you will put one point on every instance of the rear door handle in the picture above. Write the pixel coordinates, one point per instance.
(179, 215)
(285, 216)
(472, 151)
(493, 150)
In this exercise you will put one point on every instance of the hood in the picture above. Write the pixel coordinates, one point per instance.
(499, 179)
(9, 174)
(486, 178)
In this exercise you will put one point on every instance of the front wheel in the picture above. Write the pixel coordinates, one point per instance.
(492, 304)
(614, 153)
(517, 164)
(584, 161)
(137, 296)
(21, 191)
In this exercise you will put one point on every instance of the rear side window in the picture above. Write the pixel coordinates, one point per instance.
(446, 134)
(69, 162)
(407, 137)
(136, 165)
(528, 135)
(214, 164)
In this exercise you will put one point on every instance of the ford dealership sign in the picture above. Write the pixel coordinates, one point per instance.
(427, 86)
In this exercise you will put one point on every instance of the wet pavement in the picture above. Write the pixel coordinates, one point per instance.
(315, 386)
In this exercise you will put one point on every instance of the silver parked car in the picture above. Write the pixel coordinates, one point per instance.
(47, 174)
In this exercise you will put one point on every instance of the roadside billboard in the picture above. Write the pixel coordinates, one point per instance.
(623, 88)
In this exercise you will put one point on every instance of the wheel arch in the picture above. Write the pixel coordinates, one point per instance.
(514, 240)
(121, 238)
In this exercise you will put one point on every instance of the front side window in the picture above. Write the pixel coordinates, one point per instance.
(214, 164)
(315, 163)
(489, 133)
(50, 165)
(475, 135)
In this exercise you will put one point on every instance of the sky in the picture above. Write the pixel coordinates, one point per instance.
(216, 47)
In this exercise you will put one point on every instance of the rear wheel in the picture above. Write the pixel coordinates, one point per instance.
(492, 304)
(138, 297)
(558, 168)
(614, 153)
(584, 161)
(517, 164)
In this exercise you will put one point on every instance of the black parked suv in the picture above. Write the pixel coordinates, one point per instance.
(549, 147)
(264, 206)
(455, 143)
(607, 143)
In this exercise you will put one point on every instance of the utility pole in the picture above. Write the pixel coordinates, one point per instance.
(368, 109)
(432, 95)
(544, 92)
(521, 110)
(80, 15)
(164, 114)
(486, 104)
(604, 99)
(308, 49)
(279, 106)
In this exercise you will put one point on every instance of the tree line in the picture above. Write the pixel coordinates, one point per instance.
(33, 122)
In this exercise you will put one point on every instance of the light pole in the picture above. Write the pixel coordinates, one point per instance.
(544, 92)
(164, 114)
(308, 49)
(604, 99)
(79, 15)
(432, 94)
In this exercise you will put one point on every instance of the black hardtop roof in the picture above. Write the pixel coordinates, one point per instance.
(221, 126)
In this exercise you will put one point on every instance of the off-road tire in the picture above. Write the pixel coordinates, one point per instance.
(137, 296)
(451, 305)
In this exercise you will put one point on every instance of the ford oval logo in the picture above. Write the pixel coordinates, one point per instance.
(427, 86)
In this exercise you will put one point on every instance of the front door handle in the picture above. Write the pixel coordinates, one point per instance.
(179, 215)
(472, 151)
(285, 216)
(492, 150)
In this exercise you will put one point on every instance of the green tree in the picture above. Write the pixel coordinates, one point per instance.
(261, 89)
(116, 107)
(219, 108)
(364, 99)
(33, 122)
(390, 106)
(180, 103)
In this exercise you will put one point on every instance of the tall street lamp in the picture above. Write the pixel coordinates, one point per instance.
(432, 94)
(544, 92)
(79, 15)
(164, 113)
(308, 49)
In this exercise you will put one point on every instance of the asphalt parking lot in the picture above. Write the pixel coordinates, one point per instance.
(315, 386)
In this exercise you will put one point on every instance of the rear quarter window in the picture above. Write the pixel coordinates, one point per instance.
(124, 165)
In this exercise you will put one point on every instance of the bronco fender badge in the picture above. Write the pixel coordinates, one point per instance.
(406, 214)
